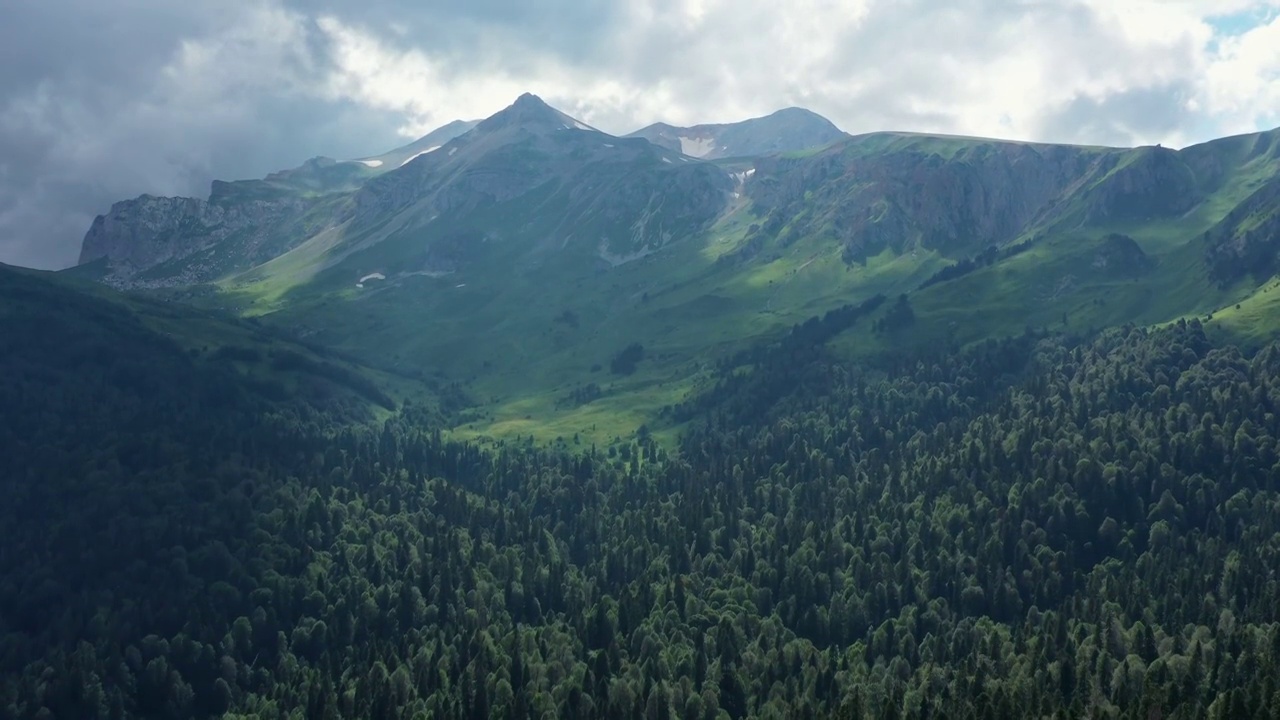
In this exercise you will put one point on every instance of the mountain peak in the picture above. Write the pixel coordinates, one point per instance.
(530, 111)
(529, 100)
(785, 130)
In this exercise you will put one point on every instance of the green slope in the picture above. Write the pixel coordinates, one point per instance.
(51, 310)
(1085, 528)
(519, 258)
(531, 332)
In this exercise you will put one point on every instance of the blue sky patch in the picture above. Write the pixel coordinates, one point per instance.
(1239, 23)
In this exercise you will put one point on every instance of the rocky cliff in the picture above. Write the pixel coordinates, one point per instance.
(1247, 241)
(952, 195)
(165, 241)
(1145, 184)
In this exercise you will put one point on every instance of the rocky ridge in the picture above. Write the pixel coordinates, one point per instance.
(166, 241)
(787, 130)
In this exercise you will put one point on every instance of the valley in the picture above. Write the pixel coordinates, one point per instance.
(516, 256)
(745, 420)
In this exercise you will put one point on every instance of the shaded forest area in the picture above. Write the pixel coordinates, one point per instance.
(1030, 528)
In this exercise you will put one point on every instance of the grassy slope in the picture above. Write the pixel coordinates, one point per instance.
(1057, 276)
(493, 324)
(208, 336)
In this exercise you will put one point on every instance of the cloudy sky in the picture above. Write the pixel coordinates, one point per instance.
(101, 101)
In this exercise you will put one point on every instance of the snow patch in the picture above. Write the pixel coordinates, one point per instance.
(580, 126)
(460, 285)
(370, 276)
(452, 151)
(370, 163)
(415, 156)
(697, 147)
(608, 145)
(666, 160)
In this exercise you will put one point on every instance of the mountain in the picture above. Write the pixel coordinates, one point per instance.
(548, 423)
(784, 131)
(431, 141)
(119, 335)
(172, 241)
(571, 282)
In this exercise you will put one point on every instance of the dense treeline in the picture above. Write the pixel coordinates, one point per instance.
(988, 257)
(1032, 528)
(759, 375)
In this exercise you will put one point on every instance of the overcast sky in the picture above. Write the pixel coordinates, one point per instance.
(102, 101)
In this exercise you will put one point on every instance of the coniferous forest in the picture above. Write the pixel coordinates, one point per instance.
(1041, 526)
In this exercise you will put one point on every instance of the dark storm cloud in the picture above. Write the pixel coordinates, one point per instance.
(103, 101)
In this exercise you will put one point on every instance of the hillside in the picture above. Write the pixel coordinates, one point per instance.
(523, 258)
(550, 423)
(1083, 528)
(45, 315)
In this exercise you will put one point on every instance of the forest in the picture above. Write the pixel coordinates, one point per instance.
(1044, 526)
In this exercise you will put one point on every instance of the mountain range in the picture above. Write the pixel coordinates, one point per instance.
(519, 256)
(524, 419)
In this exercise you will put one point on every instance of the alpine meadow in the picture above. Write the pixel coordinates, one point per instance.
(754, 419)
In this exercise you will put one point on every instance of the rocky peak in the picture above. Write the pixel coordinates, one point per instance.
(787, 130)
(529, 112)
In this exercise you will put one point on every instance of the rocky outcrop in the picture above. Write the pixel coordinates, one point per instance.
(1150, 183)
(1120, 256)
(1247, 241)
(165, 241)
(911, 196)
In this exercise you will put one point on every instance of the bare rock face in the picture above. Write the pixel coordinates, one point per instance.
(903, 198)
(1247, 241)
(164, 241)
(1152, 183)
(141, 232)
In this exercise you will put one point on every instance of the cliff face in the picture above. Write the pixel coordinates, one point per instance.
(912, 196)
(165, 241)
(1148, 183)
(956, 196)
(1247, 241)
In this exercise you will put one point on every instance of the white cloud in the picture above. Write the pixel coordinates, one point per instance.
(162, 100)
(981, 67)
(1241, 84)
